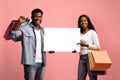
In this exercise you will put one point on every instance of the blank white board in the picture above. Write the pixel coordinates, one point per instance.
(62, 39)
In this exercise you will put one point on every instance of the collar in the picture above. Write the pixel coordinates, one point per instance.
(31, 25)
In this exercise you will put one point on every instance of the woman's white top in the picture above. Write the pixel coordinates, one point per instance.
(91, 38)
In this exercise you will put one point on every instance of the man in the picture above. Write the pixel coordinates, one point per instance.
(32, 39)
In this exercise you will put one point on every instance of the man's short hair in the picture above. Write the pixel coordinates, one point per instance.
(36, 10)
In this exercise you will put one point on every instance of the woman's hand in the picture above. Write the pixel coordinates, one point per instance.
(83, 43)
(74, 51)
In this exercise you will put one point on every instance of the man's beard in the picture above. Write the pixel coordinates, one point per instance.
(35, 24)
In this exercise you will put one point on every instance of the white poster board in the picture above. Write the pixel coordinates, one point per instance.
(62, 39)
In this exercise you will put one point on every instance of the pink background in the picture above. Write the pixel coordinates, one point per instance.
(105, 15)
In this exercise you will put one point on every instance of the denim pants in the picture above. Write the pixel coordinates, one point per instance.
(83, 68)
(34, 72)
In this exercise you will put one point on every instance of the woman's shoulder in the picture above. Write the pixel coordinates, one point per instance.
(93, 32)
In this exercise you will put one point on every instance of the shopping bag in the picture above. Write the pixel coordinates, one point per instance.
(12, 24)
(99, 60)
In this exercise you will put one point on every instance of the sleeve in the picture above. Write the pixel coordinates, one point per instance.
(15, 35)
(95, 41)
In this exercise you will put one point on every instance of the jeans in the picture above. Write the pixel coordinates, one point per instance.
(83, 69)
(34, 72)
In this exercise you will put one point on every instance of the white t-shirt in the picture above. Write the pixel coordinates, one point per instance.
(38, 57)
(91, 38)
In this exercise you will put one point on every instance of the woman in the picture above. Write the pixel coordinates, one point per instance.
(89, 41)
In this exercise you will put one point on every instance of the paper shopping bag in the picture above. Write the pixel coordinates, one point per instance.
(99, 60)
(11, 25)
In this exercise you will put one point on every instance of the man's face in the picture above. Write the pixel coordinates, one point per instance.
(37, 19)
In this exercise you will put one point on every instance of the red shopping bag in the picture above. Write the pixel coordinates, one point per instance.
(11, 25)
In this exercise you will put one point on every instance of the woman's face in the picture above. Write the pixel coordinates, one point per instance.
(84, 22)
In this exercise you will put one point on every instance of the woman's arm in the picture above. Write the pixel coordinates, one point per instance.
(95, 42)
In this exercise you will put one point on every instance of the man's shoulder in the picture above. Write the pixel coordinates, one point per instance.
(41, 27)
(26, 26)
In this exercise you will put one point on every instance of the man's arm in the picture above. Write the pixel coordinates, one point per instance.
(15, 33)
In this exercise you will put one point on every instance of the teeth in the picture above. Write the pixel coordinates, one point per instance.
(37, 21)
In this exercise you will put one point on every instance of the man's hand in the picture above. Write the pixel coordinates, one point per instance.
(21, 20)
(51, 51)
